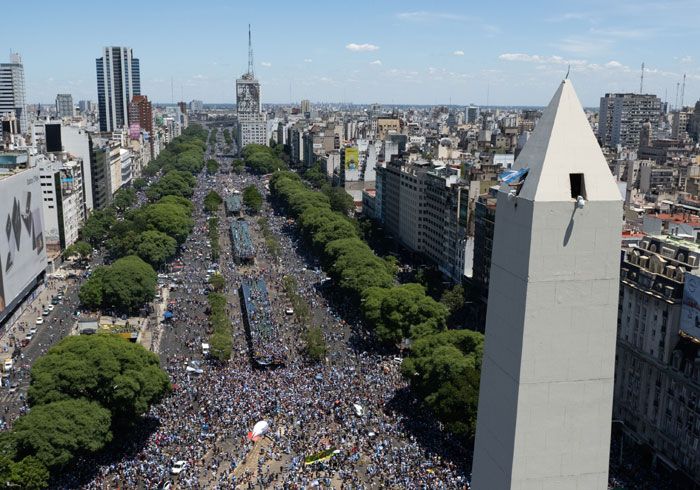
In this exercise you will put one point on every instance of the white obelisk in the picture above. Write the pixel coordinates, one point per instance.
(545, 402)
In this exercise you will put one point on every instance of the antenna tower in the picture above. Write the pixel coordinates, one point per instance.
(682, 91)
(677, 87)
(641, 80)
(250, 54)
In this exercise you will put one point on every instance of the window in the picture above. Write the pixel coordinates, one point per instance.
(578, 186)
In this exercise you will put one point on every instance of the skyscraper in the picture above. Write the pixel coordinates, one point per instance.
(621, 117)
(251, 120)
(64, 105)
(12, 91)
(547, 376)
(118, 80)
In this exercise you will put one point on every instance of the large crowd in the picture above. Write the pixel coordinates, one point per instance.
(309, 408)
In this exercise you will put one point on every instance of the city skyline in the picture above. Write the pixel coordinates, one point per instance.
(386, 53)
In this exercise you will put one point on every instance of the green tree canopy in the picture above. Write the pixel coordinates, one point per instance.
(140, 183)
(155, 247)
(217, 282)
(212, 201)
(80, 249)
(340, 200)
(96, 228)
(172, 219)
(121, 376)
(175, 183)
(125, 285)
(123, 199)
(56, 432)
(314, 344)
(444, 370)
(252, 198)
(403, 311)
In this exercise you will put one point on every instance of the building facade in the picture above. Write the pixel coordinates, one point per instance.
(12, 91)
(657, 378)
(621, 117)
(118, 81)
(64, 106)
(252, 127)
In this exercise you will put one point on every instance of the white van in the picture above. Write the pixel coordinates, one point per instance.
(205, 349)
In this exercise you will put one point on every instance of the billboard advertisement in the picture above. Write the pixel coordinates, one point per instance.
(22, 250)
(134, 131)
(690, 312)
(352, 158)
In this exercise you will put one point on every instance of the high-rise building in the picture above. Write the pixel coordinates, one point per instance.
(118, 81)
(694, 123)
(141, 113)
(196, 106)
(680, 120)
(544, 412)
(12, 91)
(472, 114)
(621, 117)
(64, 105)
(305, 107)
(251, 120)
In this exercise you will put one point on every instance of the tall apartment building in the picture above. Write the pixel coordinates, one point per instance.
(12, 91)
(141, 113)
(118, 81)
(252, 128)
(679, 122)
(621, 117)
(657, 378)
(64, 201)
(64, 106)
(694, 123)
(196, 106)
(105, 170)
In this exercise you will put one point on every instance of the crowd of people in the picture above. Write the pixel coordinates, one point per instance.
(309, 407)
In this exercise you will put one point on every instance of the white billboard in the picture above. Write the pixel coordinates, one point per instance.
(22, 250)
(690, 312)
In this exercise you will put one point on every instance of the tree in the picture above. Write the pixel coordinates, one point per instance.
(314, 344)
(212, 201)
(220, 346)
(28, 474)
(444, 370)
(403, 311)
(155, 247)
(123, 199)
(453, 299)
(140, 183)
(97, 226)
(121, 376)
(172, 219)
(217, 282)
(175, 182)
(56, 432)
(81, 249)
(340, 200)
(252, 198)
(212, 166)
(128, 284)
(90, 293)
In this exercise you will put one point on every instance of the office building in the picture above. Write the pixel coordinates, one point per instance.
(252, 128)
(12, 91)
(141, 113)
(196, 106)
(472, 114)
(305, 107)
(64, 106)
(621, 117)
(105, 170)
(549, 355)
(23, 258)
(118, 81)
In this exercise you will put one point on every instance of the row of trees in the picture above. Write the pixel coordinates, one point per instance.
(85, 392)
(271, 242)
(445, 378)
(252, 199)
(220, 343)
(185, 153)
(262, 159)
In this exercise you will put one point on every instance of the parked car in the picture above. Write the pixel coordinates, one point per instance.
(45, 312)
(289, 311)
(50, 307)
(39, 320)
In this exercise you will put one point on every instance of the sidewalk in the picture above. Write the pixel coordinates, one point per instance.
(13, 333)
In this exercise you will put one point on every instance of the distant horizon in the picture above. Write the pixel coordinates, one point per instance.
(459, 53)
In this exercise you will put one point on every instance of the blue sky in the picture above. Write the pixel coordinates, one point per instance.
(364, 51)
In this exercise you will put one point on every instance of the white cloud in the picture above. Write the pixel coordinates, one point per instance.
(576, 64)
(266, 64)
(307, 60)
(459, 52)
(687, 59)
(361, 47)
(375, 62)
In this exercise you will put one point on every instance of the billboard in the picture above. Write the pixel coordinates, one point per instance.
(690, 312)
(22, 250)
(134, 131)
(352, 158)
